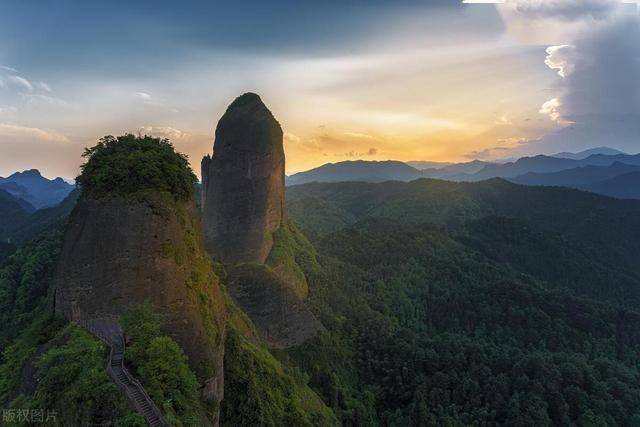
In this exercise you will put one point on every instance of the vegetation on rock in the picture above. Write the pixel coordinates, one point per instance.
(130, 164)
(25, 281)
(72, 381)
(260, 391)
(161, 365)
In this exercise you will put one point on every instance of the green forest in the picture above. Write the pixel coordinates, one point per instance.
(441, 304)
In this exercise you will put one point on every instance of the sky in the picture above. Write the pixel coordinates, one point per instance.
(442, 80)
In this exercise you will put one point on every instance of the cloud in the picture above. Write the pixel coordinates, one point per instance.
(290, 137)
(19, 82)
(9, 69)
(551, 108)
(372, 151)
(7, 109)
(564, 9)
(358, 135)
(486, 154)
(143, 96)
(561, 58)
(168, 132)
(600, 73)
(27, 147)
(8, 130)
(43, 86)
(147, 99)
(504, 120)
(36, 99)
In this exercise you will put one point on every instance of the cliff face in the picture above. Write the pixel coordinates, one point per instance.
(118, 251)
(243, 183)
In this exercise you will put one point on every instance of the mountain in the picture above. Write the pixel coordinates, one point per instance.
(248, 159)
(576, 177)
(426, 164)
(244, 222)
(357, 170)
(39, 191)
(586, 153)
(625, 186)
(483, 303)
(149, 251)
(131, 264)
(14, 212)
(457, 171)
(476, 170)
(594, 130)
(45, 219)
(558, 213)
(546, 164)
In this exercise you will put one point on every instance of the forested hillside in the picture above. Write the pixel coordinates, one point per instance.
(441, 303)
(473, 303)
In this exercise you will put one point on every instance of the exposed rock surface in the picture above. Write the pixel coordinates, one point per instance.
(243, 183)
(281, 317)
(118, 252)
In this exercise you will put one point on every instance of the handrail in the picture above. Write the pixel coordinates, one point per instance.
(135, 383)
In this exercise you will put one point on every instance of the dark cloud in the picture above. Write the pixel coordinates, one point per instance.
(605, 76)
(486, 154)
(599, 93)
(566, 9)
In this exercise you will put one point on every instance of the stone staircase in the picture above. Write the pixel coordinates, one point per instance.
(109, 332)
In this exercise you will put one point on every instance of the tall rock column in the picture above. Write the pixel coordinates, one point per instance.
(243, 183)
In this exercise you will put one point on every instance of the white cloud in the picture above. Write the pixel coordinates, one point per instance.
(20, 82)
(143, 96)
(564, 9)
(168, 132)
(504, 120)
(9, 130)
(36, 100)
(550, 108)
(358, 135)
(290, 137)
(43, 86)
(9, 69)
(561, 58)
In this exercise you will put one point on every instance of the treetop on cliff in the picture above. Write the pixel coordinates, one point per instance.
(129, 164)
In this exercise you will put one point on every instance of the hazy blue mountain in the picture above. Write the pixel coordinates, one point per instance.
(626, 186)
(535, 170)
(586, 153)
(44, 219)
(358, 170)
(457, 171)
(576, 177)
(39, 191)
(545, 164)
(427, 164)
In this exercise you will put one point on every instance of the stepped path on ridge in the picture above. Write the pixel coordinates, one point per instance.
(111, 333)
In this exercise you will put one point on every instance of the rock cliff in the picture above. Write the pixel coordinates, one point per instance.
(245, 224)
(243, 183)
(124, 248)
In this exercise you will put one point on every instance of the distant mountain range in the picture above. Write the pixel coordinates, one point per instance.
(586, 153)
(40, 192)
(21, 221)
(602, 170)
(358, 170)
